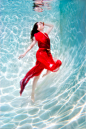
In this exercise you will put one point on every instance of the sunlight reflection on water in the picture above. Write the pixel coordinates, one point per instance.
(60, 98)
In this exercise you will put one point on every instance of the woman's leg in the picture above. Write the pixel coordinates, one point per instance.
(34, 72)
(47, 72)
(34, 86)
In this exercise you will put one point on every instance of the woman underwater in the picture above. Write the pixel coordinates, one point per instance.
(43, 56)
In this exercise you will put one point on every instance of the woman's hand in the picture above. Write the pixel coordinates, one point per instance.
(28, 49)
(21, 56)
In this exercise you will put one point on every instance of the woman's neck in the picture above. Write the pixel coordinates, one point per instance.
(42, 31)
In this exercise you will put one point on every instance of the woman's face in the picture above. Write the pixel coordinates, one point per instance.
(40, 26)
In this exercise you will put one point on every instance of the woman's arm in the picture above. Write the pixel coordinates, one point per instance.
(28, 49)
(50, 28)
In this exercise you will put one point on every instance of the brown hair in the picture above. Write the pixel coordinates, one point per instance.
(34, 30)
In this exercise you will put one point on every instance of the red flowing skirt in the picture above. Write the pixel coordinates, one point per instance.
(44, 61)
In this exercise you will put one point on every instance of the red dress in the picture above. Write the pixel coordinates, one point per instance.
(44, 59)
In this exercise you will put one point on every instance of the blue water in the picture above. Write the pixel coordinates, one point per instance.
(60, 98)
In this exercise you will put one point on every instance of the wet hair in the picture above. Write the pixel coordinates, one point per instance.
(34, 30)
(34, 6)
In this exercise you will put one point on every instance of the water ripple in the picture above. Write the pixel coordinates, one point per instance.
(60, 98)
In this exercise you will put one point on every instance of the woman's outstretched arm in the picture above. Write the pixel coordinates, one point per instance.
(49, 29)
(28, 49)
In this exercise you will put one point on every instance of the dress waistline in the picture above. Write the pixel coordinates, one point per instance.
(45, 49)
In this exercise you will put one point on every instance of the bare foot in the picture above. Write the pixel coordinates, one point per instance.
(32, 97)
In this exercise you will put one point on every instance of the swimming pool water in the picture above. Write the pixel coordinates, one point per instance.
(60, 98)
